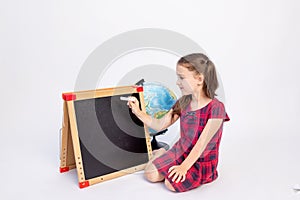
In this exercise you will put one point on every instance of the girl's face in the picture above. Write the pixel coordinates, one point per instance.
(187, 81)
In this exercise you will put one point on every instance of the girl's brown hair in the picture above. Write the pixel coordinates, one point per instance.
(201, 64)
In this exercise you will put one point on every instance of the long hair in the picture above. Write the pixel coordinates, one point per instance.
(201, 64)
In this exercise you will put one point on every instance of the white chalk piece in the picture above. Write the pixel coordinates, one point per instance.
(126, 98)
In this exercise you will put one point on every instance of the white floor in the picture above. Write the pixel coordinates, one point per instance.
(257, 168)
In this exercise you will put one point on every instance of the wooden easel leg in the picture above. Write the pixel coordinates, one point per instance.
(67, 160)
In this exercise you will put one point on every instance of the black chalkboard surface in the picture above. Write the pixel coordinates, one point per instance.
(111, 138)
(108, 139)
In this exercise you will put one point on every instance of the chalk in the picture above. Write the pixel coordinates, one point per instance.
(126, 98)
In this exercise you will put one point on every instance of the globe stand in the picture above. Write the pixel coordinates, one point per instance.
(157, 145)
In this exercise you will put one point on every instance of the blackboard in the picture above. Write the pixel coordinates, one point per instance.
(108, 139)
(111, 137)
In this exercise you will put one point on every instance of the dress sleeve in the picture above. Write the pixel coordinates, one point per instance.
(217, 111)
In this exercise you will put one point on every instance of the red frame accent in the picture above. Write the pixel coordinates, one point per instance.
(139, 89)
(69, 96)
(84, 184)
(64, 169)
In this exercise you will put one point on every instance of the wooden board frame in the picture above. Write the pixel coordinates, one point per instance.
(70, 154)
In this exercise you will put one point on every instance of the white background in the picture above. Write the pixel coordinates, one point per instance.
(254, 44)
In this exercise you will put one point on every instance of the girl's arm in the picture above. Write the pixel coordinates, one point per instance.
(156, 124)
(179, 171)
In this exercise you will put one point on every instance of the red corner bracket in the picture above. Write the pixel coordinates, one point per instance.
(64, 169)
(139, 88)
(69, 96)
(84, 184)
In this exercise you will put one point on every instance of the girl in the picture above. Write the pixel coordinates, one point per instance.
(193, 159)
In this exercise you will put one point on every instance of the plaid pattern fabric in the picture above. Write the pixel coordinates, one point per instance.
(192, 124)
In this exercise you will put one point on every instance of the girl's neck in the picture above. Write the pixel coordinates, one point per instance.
(199, 101)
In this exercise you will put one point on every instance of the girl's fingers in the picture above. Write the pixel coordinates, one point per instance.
(178, 179)
(132, 99)
(183, 179)
(171, 174)
(171, 168)
(175, 177)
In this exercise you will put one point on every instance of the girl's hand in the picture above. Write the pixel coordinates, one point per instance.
(178, 172)
(133, 103)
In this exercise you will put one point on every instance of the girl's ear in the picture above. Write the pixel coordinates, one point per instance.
(200, 79)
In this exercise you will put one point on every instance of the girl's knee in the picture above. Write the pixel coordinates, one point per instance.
(169, 186)
(151, 173)
(153, 176)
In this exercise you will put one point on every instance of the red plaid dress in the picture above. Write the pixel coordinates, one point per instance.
(192, 123)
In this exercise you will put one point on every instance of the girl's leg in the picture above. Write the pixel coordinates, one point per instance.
(169, 186)
(151, 173)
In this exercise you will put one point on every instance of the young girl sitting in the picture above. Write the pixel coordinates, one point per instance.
(193, 159)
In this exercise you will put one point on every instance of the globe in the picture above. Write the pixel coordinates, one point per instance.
(158, 100)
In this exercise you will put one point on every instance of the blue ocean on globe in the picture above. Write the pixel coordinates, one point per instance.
(158, 100)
